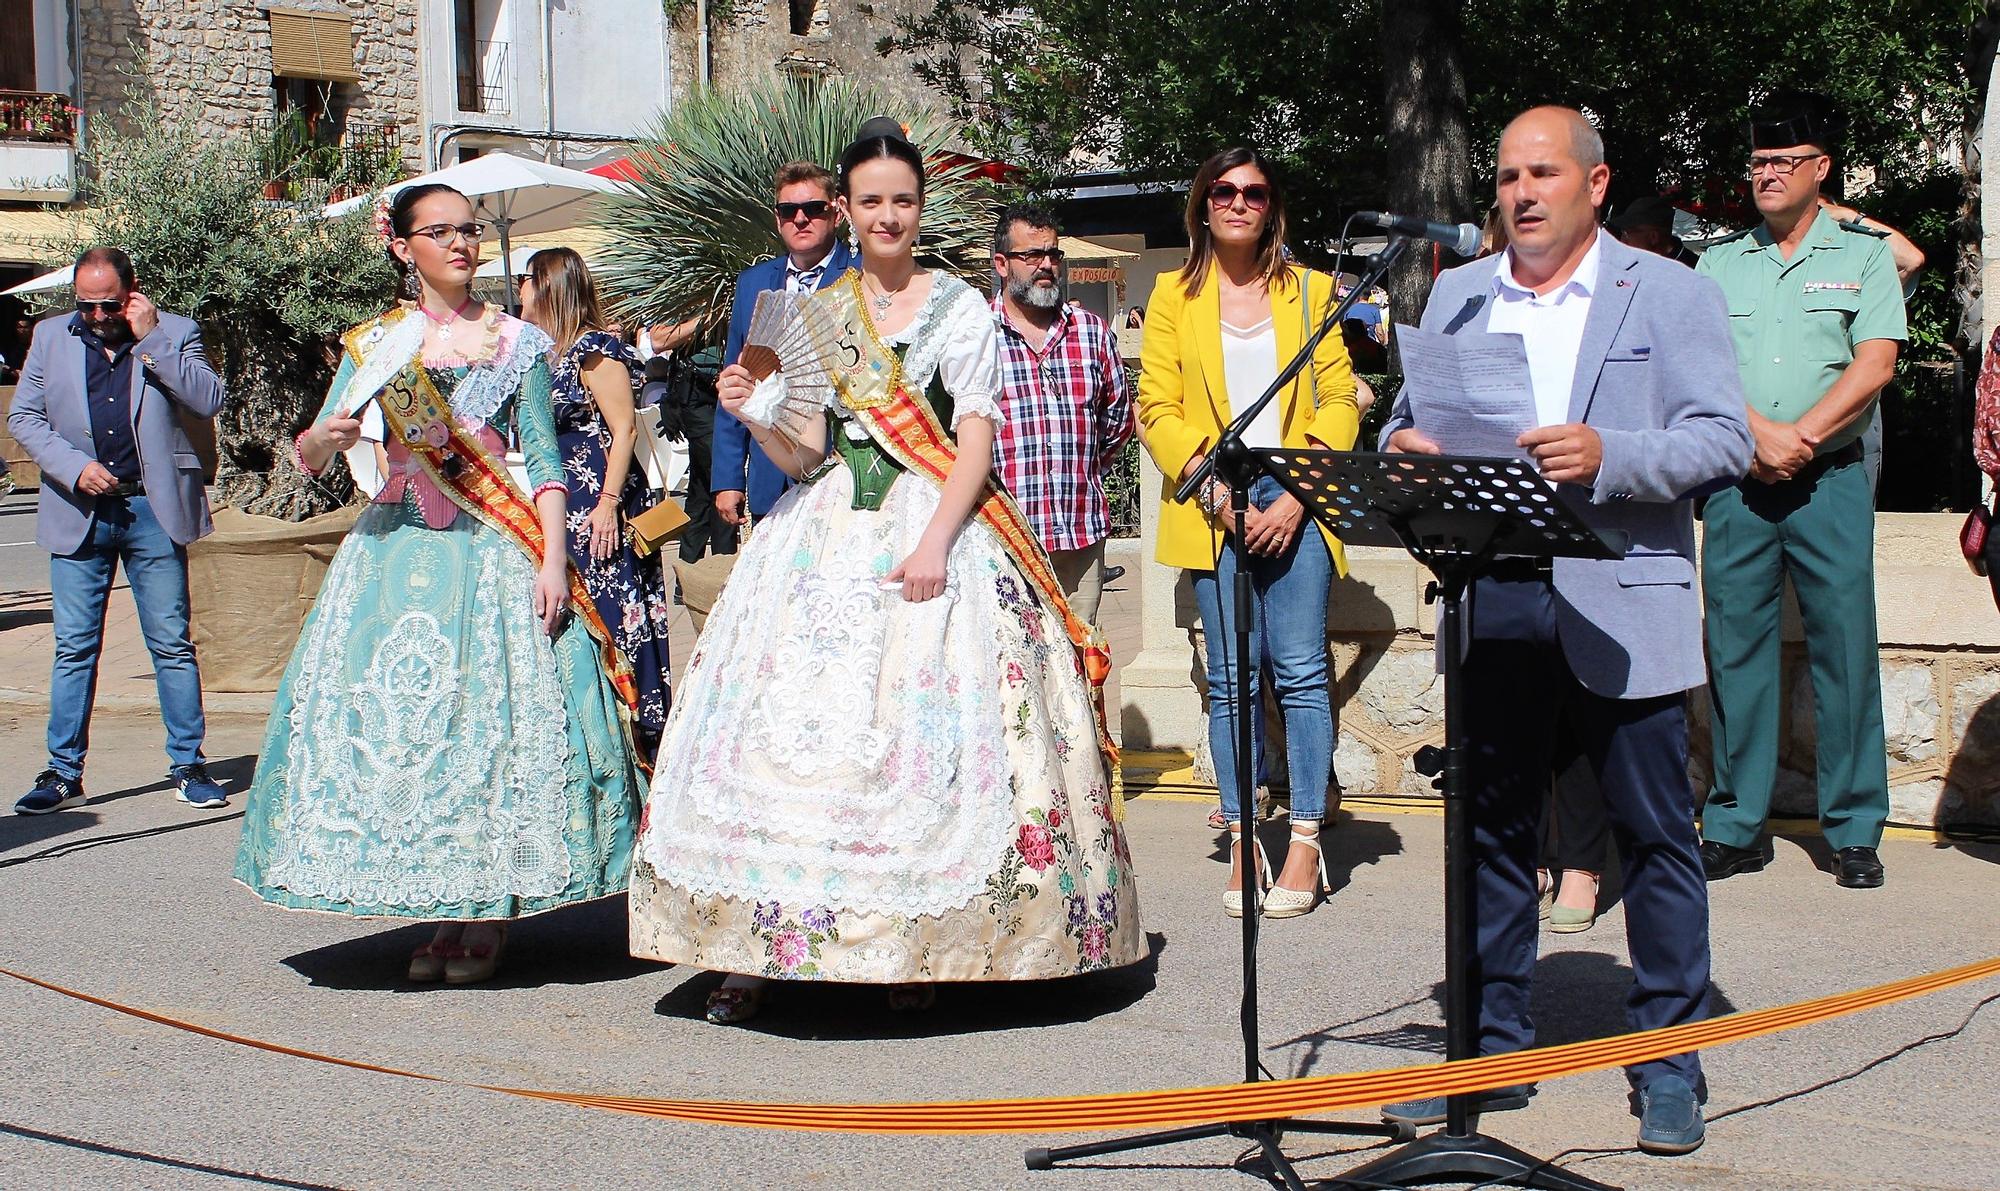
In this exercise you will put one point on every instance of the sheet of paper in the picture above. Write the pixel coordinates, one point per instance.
(1469, 394)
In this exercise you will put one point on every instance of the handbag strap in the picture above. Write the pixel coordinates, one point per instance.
(1306, 330)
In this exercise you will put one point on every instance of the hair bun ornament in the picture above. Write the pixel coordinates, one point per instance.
(887, 126)
(385, 227)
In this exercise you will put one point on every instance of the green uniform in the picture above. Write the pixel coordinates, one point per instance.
(1796, 323)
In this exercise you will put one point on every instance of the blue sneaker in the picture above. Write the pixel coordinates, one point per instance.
(194, 787)
(1669, 1117)
(52, 792)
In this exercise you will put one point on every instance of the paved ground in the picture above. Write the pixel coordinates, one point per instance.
(129, 898)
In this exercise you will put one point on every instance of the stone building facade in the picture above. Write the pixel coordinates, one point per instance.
(817, 38)
(209, 62)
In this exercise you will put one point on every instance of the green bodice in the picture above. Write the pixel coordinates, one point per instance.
(874, 469)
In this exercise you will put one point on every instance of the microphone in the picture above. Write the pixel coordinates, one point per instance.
(1461, 238)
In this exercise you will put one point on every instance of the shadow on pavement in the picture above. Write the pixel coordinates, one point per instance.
(21, 618)
(233, 772)
(77, 1143)
(825, 1011)
(1578, 996)
(581, 944)
(21, 831)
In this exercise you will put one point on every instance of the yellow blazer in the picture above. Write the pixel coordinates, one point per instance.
(1184, 399)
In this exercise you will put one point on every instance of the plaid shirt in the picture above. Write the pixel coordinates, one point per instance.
(1067, 411)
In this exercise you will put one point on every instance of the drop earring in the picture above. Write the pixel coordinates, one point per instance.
(853, 239)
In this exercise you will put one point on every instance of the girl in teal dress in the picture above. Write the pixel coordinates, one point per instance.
(448, 742)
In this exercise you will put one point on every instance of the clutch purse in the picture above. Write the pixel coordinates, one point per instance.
(657, 526)
(1972, 535)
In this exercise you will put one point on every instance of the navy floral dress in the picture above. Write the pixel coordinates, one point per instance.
(630, 592)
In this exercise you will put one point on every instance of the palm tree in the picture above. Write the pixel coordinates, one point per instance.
(700, 212)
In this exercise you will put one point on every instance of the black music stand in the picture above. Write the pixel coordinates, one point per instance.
(1454, 514)
(1234, 462)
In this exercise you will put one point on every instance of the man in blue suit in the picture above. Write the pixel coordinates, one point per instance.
(814, 258)
(1638, 410)
(99, 409)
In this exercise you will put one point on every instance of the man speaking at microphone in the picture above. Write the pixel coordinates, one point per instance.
(1638, 411)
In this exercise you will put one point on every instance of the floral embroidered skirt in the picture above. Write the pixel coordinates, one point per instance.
(854, 787)
(431, 752)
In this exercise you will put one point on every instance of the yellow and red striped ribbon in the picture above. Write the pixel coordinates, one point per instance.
(1182, 1106)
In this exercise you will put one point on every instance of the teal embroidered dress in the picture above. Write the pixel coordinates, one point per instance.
(432, 753)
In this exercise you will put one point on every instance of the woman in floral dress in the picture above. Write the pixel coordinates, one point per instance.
(449, 741)
(592, 376)
(885, 763)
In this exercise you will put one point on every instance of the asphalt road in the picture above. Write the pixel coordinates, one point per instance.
(24, 566)
(130, 898)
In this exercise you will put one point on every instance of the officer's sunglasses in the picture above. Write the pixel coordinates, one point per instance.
(103, 306)
(1781, 164)
(815, 209)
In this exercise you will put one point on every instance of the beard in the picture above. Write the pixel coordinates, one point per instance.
(1033, 293)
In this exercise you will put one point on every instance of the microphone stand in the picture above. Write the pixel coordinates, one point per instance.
(1239, 467)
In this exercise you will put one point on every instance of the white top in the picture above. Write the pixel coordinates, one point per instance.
(1249, 365)
(1551, 329)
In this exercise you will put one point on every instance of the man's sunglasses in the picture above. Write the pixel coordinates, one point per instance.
(100, 305)
(1036, 256)
(1256, 196)
(816, 209)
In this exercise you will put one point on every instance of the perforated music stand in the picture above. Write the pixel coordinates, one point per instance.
(1454, 514)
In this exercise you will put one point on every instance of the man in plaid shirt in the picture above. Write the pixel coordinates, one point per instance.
(1063, 396)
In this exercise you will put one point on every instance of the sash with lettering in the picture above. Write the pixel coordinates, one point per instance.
(869, 378)
(476, 480)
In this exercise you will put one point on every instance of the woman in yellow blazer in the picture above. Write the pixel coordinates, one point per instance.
(1217, 333)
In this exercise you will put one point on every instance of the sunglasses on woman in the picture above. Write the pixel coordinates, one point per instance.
(815, 209)
(1256, 196)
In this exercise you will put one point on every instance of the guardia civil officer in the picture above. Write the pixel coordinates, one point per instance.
(1817, 316)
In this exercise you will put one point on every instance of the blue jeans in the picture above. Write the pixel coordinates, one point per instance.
(79, 585)
(1287, 630)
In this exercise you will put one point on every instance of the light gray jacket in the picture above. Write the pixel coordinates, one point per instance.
(1656, 378)
(50, 418)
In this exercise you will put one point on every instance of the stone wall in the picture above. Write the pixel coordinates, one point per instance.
(1940, 638)
(757, 41)
(209, 61)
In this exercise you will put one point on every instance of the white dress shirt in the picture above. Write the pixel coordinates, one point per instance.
(805, 280)
(1551, 329)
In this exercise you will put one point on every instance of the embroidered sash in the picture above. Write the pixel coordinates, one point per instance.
(420, 418)
(868, 375)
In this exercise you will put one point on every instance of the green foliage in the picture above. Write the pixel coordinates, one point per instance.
(701, 211)
(1055, 84)
(269, 282)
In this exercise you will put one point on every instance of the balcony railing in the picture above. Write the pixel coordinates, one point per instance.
(354, 156)
(37, 116)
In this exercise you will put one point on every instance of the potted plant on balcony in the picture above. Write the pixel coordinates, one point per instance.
(271, 290)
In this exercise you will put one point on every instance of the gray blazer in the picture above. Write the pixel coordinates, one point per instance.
(1656, 378)
(51, 420)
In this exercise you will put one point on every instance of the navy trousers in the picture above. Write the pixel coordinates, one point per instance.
(1518, 689)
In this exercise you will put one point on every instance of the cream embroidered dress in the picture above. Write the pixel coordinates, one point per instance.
(855, 787)
(432, 753)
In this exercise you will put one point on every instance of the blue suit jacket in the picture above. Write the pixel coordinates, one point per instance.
(1656, 378)
(733, 449)
(50, 418)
